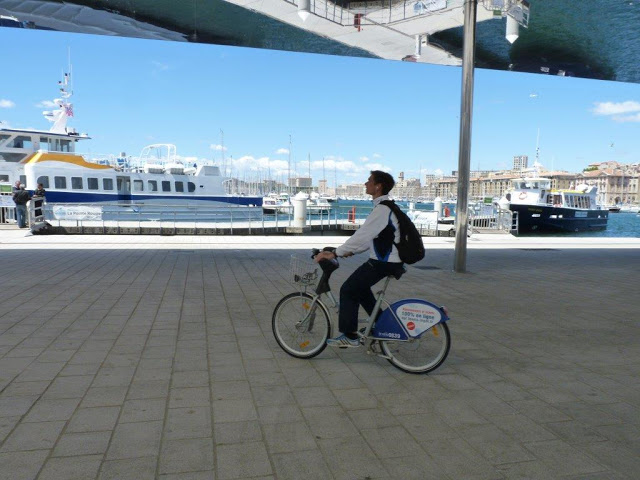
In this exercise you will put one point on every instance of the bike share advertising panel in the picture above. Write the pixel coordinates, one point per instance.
(412, 318)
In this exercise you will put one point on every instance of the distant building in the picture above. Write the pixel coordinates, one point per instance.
(520, 162)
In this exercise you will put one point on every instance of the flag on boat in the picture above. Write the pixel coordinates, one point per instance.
(68, 109)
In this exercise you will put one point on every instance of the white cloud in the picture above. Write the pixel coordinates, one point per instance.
(262, 164)
(282, 151)
(612, 108)
(6, 103)
(378, 166)
(47, 104)
(159, 66)
(364, 159)
(218, 148)
(438, 172)
(377, 155)
(627, 118)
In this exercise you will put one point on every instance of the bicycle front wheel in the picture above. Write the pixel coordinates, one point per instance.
(301, 327)
(419, 355)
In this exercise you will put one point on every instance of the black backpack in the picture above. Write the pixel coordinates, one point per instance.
(410, 248)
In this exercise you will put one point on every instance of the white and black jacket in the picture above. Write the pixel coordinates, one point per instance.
(378, 234)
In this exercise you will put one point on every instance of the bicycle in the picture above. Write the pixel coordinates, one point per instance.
(412, 334)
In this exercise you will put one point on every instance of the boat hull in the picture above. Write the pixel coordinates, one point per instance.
(214, 200)
(540, 218)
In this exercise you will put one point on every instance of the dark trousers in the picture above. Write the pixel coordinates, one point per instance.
(356, 291)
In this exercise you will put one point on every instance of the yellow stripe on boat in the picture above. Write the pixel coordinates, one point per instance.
(64, 158)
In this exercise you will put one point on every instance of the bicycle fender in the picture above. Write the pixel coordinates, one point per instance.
(406, 318)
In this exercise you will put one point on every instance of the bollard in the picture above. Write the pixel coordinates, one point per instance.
(437, 206)
(300, 210)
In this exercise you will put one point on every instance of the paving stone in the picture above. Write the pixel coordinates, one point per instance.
(143, 468)
(309, 465)
(190, 422)
(143, 410)
(49, 410)
(104, 397)
(71, 468)
(288, 437)
(242, 460)
(187, 455)
(93, 419)
(350, 456)
(33, 436)
(131, 440)
(22, 465)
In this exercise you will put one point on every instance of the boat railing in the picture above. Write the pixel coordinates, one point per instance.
(372, 12)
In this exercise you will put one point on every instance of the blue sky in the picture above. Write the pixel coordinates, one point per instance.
(358, 114)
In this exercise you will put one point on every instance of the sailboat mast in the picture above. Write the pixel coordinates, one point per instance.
(224, 164)
(289, 169)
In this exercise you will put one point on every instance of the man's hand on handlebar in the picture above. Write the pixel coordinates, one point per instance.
(325, 255)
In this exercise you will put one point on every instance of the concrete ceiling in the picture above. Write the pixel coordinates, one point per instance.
(592, 39)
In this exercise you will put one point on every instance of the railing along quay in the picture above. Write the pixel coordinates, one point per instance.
(149, 219)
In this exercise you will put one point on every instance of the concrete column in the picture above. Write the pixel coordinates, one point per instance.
(464, 158)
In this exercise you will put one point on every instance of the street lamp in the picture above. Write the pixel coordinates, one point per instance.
(304, 9)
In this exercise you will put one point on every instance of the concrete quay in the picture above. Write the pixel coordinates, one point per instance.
(144, 357)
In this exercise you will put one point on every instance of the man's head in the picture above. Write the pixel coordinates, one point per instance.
(40, 186)
(379, 183)
(21, 187)
(17, 184)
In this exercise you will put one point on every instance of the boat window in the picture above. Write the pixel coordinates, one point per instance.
(44, 180)
(60, 182)
(13, 157)
(76, 183)
(92, 183)
(44, 143)
(23, 179)
(179, 187)
(137, 186)
(166, 186)
(107, 183)
(191, 186)
(153, 185)
(21, 141)
(4, 178)
(3, 138)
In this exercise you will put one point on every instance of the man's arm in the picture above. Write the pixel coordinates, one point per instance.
(361, 239)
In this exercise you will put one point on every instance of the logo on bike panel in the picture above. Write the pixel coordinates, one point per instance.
(417, 317)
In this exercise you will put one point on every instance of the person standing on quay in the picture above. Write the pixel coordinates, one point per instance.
(20, 198)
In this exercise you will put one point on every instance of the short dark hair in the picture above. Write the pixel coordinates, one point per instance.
(383, 178)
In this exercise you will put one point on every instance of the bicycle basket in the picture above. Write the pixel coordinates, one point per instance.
(304, 271)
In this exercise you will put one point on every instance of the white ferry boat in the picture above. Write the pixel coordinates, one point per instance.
(543, 209)
(49, 157)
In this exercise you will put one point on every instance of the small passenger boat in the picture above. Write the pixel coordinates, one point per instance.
(540, 208)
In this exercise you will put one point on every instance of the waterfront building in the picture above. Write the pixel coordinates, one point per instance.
(520, 162)
(617, 183)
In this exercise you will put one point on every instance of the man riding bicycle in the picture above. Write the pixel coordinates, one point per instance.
(378, 234)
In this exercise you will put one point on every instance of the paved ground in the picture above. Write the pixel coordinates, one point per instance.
(152, 357)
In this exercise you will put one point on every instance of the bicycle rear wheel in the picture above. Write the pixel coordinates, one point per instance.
(300, 329)
(420, 355)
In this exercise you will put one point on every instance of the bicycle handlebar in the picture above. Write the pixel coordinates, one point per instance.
(328, 267)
